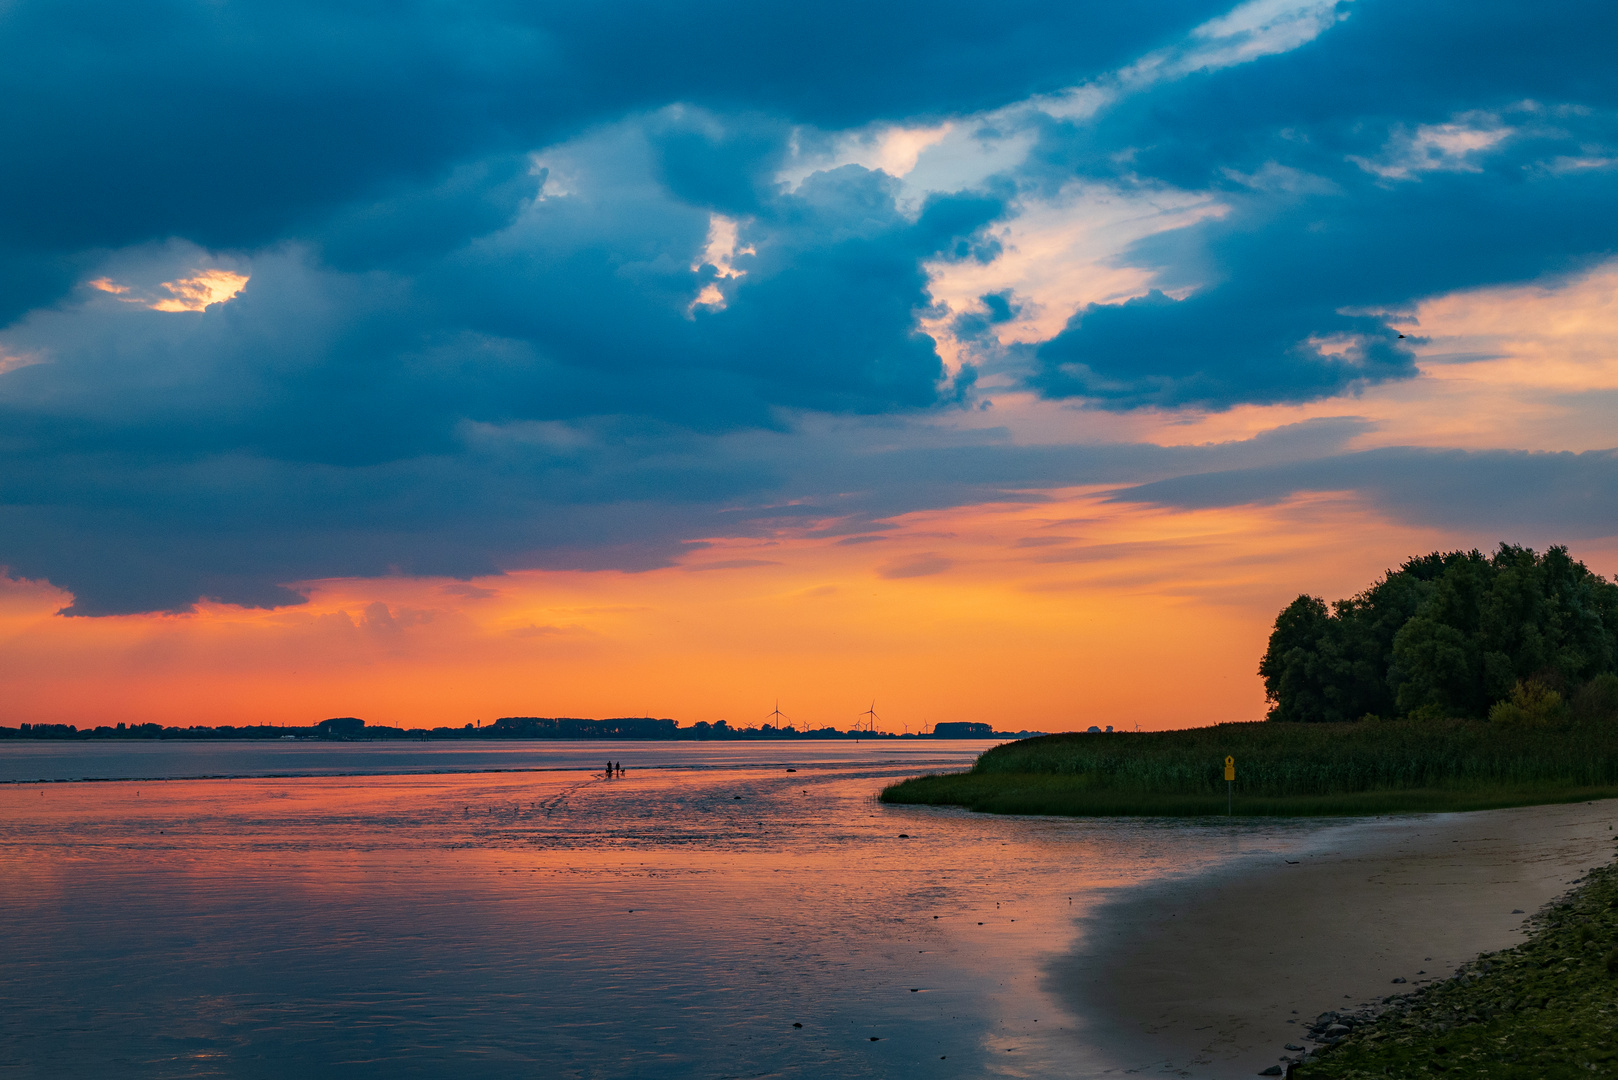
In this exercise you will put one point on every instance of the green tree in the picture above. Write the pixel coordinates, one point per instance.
(1295, 667)
(1450, 633)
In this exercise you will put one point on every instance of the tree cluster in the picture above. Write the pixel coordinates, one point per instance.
(1515, 636)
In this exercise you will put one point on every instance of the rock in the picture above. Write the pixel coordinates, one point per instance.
(1517, 911)
(1294, 1049)
(1273, 1070)
(1337, 1031)
(1400, 979)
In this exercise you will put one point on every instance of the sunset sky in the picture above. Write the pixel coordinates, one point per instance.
(433, 363)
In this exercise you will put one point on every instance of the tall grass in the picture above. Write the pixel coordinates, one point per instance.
(1372, 766)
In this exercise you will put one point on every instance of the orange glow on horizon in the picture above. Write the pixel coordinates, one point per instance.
(1048, 615)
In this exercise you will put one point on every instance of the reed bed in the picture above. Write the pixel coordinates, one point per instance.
(1373, 766)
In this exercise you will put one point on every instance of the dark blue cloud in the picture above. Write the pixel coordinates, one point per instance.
(1344, 198)
(128, 532)
(1217, 347)
(231, 125)
(483, 328)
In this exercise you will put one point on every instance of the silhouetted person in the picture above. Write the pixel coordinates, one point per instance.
(620, 770)
(609, 770)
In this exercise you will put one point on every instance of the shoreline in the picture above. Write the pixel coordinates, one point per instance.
(1211, 976)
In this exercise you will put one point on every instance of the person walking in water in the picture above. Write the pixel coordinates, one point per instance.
(609, 770)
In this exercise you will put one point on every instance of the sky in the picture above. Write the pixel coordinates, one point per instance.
(433, 363)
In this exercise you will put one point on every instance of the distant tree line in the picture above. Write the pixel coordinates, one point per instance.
(350, 728)
(1516, 636)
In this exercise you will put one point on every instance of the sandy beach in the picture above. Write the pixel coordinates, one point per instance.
(1210, 976)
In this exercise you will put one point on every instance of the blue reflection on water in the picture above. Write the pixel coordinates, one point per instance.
(29, 760)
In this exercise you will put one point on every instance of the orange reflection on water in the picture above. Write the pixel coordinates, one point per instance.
(674, 920)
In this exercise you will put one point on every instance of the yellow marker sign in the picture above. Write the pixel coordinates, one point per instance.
(1230, 768)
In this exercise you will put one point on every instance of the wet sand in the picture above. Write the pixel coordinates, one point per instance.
(1209, 976)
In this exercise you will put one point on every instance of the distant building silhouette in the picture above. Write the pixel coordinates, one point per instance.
(963, 729)
(340, 727)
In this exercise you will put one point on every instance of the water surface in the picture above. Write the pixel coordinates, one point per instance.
(676, 923)
(109, 759)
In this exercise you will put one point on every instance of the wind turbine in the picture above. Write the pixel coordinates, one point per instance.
(871, 717)
(777, 715)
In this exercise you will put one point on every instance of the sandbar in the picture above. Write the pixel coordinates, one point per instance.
(1212, 975)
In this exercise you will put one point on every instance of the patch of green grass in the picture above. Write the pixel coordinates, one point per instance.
(1369, 767)
(1544, 1010)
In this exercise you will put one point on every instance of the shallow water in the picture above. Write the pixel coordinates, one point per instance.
(98, 759)
(674, 923)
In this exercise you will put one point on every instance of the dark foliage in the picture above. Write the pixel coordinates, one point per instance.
(1447, 634)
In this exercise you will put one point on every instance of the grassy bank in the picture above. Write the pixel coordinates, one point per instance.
(1541, 1011)
(1370, 767)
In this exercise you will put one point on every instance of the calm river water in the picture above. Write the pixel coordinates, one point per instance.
(377, 910)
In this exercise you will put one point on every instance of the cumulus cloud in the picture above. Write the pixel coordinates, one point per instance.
(1384, 97)
(290, 292)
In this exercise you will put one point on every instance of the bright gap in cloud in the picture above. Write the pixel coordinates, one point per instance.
(963, 153)
(892, 148)
(1258, 28)
(718, 252)
(1446, 147)
(1058, 256)
(202, 290)
(1063, 253)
